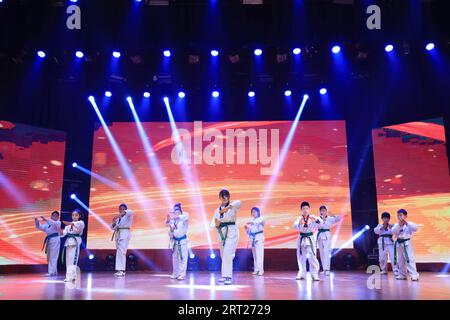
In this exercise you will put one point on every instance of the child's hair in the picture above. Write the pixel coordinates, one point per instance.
(323, 207)
(304, 204)
(123, 205)
(385, 215)
(257, 210)
(177, 206)
(403, 211)
(55, 212)
(224, 193)
(79, 212)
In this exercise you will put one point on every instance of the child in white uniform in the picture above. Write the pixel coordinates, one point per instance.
(385, 243)
(324, 238)
(121, 226)
(178, 225)
(306, 248)
(255, 230)
(228, 233)
(52, 227)
(72, 232)
(404, 250)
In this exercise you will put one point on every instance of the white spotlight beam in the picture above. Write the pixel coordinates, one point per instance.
(283, 154)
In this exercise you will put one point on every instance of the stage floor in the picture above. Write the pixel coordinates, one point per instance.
(204, 285)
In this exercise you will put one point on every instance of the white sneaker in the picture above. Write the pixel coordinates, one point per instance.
(255, 272)
(222, 279)
(414, 279)
(228, 281)
(315, 278)
(48, 275)
(299, 277)
(400, 278)
(67, 280)
(173, 276)
(180, 278)
(327, 273)
(260, 273)
(322, 272)
(119, 274)
(383, 272)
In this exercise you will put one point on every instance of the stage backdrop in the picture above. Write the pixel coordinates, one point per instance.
(31, 175)
(412, 172)
(239, 156)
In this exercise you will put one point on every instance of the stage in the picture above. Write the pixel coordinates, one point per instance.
(204, 286)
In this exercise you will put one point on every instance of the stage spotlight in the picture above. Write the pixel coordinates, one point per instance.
(306, 97)
(73, 196)
(110, 262)
(181, 95)
(336, 49)
(258, 52)
(429, 46)
(91, 98)
(193, 263)
(108, 94)
(215, 94)
(79, 54)
(349, 262)
(146, 94)
(214, 53)
(251, 94)
(90, 263)
(323, 91)
(129, 99)
(167, 53)
(389, 48)
(41, 54)
(166, 100)
(116, 54)
(288, 93)
(297, 51)
(212, 264)
(74, 1)
(74, 165)
(367, 227)
(131, 262)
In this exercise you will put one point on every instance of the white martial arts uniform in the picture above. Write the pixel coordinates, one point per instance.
(256, 234)
(405, 250)
(385, 247)
(122, 235)
(51, 243)
(306, 248)
(179, 245)
(72, 248)
(324, 239)
(230, 233)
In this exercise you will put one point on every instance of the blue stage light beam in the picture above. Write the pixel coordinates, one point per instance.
(192, 179)
(91, 213)
(152, 160)
(129, 175)
(41, 54)
(352, 239)
(105, 181)
(284, 151)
